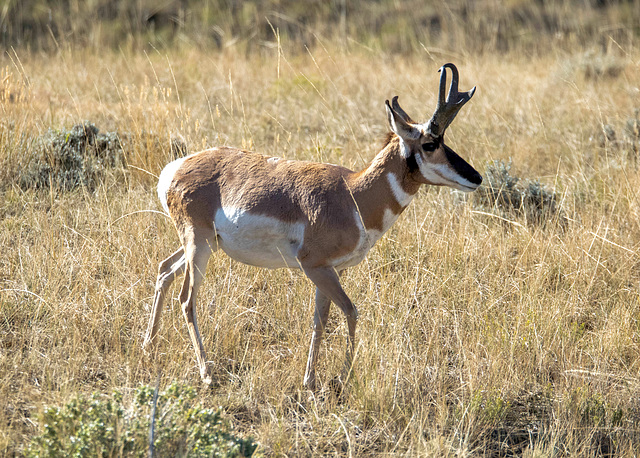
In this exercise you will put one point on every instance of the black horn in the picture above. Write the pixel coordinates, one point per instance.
(446, 110)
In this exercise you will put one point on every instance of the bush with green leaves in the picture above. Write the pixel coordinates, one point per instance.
(106, 426)
(67, 159)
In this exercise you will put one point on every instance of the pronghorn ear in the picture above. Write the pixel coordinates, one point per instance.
(399, 126)
(398, 109)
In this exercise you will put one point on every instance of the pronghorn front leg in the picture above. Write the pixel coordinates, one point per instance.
(167, 272)
(327, 281)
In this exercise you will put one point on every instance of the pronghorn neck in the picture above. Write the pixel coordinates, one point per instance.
(385, 187)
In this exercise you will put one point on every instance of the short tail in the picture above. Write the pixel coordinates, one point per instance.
(165, 180)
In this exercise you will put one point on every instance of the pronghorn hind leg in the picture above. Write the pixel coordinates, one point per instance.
(320, 316)
(327, 281)
(167, 271)
(197, 254)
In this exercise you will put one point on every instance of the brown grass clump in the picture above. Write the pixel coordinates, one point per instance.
(479, 333)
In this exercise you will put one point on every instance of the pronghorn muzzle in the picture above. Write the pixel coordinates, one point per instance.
(463, 169)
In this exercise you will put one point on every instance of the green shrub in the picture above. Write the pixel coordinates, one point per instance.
(68, 159)
(103, 426)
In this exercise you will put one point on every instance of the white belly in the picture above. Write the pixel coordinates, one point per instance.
(258, 240)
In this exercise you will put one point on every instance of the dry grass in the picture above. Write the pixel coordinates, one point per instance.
(479, 332)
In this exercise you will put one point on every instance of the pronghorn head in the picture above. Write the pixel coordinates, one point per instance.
(429, 160)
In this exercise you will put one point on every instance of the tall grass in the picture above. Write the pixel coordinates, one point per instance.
(480, 332)
(403, 27)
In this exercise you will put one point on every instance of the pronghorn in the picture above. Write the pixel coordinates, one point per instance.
(320, 218)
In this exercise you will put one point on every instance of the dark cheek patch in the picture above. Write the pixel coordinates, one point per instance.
(412, 164)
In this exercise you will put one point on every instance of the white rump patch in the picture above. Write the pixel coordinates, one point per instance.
(273, 160)
(401, 196)
(165, 180)
(258, 240)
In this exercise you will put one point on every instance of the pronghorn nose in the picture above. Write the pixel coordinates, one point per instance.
(475, 177)
(462, 167)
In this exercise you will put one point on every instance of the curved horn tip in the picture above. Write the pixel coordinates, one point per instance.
(394, 99)
(472, 91)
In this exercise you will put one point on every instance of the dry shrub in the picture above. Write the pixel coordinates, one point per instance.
(514, 197)
(596, 65)
(622, 138)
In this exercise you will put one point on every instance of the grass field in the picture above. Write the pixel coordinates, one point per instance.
(485, 328)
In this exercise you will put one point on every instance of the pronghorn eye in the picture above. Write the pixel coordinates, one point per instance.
(428, 147)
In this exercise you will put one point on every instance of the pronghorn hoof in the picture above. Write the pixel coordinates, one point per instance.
(147, 348)
(207, 379)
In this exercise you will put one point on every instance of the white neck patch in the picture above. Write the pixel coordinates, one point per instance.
(401, 196)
